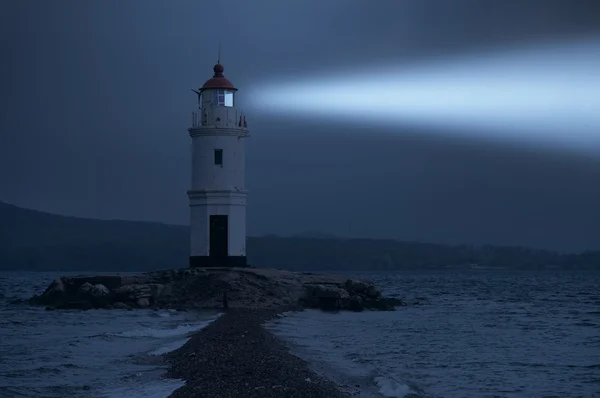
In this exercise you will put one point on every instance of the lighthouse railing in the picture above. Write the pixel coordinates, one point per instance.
(239, 121)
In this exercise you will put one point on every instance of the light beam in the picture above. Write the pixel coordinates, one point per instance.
(543, 96)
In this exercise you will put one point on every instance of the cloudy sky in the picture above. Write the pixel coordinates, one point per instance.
(96, 101)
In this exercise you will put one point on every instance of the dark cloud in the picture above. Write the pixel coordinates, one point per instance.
(95, 105)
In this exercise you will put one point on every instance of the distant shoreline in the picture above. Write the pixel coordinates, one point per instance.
(33, 240)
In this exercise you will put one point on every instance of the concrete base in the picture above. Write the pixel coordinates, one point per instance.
(207, 261)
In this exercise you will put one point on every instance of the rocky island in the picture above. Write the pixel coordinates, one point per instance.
(214, 288)
(233, 356)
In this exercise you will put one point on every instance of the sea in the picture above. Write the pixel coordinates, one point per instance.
(94, 354)
(465, 334)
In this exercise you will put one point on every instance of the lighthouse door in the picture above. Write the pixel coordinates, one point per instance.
(218, 240)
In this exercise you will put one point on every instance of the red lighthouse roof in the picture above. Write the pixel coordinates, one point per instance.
(218, 81)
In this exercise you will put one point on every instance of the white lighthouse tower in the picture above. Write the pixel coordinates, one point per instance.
(218, 195)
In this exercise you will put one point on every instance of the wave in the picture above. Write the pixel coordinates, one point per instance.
(157, 389)
(163, 314)
(56, 391)
(320, 339)
(180, 330)
(175, 345)
(392, 388)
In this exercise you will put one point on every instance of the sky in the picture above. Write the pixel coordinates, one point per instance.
(96, 103)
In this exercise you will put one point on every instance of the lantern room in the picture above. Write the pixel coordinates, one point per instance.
(217, 91)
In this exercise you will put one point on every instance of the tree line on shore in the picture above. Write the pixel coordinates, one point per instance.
(32, 240)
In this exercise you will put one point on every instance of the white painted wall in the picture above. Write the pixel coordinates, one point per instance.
(207, 175)
(199, 230)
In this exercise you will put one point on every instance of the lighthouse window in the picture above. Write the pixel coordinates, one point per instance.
(219, 157)
(224, 98)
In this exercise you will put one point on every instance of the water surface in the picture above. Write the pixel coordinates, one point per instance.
(475, 335)
(96, 353)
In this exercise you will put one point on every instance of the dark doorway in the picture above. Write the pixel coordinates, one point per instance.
(218, 240)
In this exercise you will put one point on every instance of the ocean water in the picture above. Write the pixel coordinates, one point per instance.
(94, 354)
(475, 334)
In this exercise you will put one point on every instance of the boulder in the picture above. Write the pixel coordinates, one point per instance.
(372, 292)
(325, 297)
(356, 286)
(143, 302)
(155, 291)
(101, 290)
(96, 295)
(356, 304)
(132, 292)
(166, 291)
(94, 291)
(384, 304)
(56, 289)
(110, 281)
(326, 291)
(135, 280)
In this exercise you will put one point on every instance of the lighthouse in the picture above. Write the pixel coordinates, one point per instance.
(218, 194)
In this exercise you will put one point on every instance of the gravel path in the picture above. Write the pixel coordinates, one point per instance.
(236, 357)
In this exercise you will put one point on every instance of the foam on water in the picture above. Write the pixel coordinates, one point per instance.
(323, 340)
(165, 314)
(179, 330)
(391, 388)
(96, 354)
(156, 389)
(175, 345)
(479, 334)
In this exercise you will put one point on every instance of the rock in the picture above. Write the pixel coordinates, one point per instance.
(372, 292)
(134, 280)
(356, 304)
(355, 286)
(384, 304)
(101, 290)
(143, 302)
(329, 304)
(166, 291)
(95, 291)
(323, 291)
(56, 289)
(96, 295)
(86, 288)
(327, 298)
(110, 281)
(132, 292)
(203, 288)
(155, 291)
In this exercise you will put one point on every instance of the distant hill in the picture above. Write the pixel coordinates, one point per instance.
(33, 240)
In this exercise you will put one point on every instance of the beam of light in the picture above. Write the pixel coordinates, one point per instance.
(542, 96)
